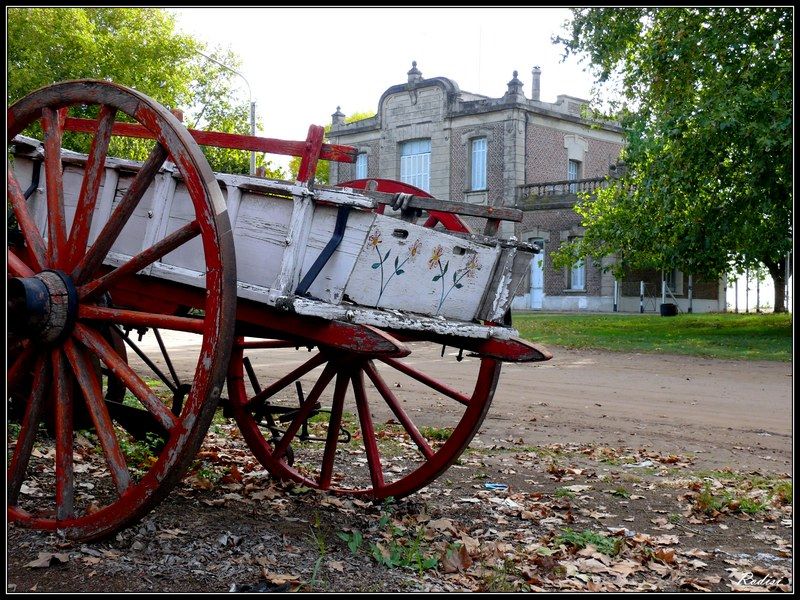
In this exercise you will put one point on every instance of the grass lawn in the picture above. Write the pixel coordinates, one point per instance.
(732, 336)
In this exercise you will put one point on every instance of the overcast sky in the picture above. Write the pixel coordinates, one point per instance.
(302, 63)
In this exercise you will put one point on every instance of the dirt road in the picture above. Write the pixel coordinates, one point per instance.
(724, 412)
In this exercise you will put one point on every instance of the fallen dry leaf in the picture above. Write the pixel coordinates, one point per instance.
(48, 559)
(626, 567)
(455, 559)
(442, 525)
(594, 587)
(665, 556)
(591, 565)
(577, 488)
(666, 540)
(695, 584)
(471, 544)
(279, 578)
(336, 565)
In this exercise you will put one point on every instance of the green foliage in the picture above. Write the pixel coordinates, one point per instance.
(750, 506)
(353, 539)
(563, 492)
(707, 106)
(604, 544)
(731, 336)
(138, 48)
(13, 430)
(140, 454)
(395, 549)
(620, 492)
(711, 503)
(404, 553)
(439, 434)
(782, 492)
(322, 175)
(506, 577)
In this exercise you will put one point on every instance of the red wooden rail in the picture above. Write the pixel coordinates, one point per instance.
(335, 152)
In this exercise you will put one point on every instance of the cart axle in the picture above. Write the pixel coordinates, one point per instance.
(43, 307)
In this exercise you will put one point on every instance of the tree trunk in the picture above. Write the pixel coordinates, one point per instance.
(778, 273)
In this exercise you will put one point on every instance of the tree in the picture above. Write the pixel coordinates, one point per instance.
(135, 47)
(707, 96)
(323, 168)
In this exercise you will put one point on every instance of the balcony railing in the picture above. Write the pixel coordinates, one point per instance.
(556, 193)
(560, 188)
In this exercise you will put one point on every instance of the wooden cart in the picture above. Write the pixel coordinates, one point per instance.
(101, 249)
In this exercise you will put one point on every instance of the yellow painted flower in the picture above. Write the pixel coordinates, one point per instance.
(375, 238)
(435, 257)
(472, 266)
(415, 248)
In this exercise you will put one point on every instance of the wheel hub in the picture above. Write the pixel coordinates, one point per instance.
(42, 308)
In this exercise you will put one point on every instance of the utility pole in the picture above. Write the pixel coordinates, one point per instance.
(252, 105)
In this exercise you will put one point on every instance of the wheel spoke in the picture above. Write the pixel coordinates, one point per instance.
(27, 431)
(335, 423)
(93, 395)
(54, 183)
(101, 348)
(17, 268)
(423, 378)
(284, 381)
(368, 432)
(92, 260)
(173, 387)
(31, 233)
(136, 318)
(305, 410)
(141, 260)
(398, 411)
(65, 481)
(167, 360)
(93, 174)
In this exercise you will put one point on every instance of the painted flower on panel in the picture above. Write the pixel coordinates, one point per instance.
(375, 237)
(472, 266)
(435, 257)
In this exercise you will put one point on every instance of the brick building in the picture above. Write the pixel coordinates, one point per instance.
(505, 151)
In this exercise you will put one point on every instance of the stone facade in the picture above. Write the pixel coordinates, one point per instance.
(528, 141)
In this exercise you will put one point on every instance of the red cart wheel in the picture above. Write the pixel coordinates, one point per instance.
(356, 424)
(90, 483)
(450, 221)
(279, 431)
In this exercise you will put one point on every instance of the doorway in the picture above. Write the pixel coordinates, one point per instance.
(537, 275)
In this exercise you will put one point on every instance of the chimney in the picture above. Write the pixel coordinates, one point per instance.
(536, 75)
(337, 118)
(414, 75)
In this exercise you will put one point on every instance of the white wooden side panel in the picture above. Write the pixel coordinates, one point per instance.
(329, 285)
(260, 232)
(73, 179)
(181, 212)
(23, 171)
(407, 267)
(134, 234)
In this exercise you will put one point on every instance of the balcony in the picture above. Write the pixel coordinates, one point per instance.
(556, 194)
